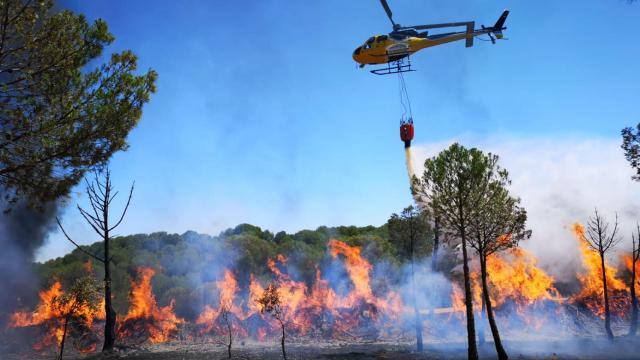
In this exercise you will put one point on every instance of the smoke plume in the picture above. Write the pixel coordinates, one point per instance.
(22, 230)
(560, 182)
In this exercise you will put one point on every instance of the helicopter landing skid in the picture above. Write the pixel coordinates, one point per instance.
(394, 67)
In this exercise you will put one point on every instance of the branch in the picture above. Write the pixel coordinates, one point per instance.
(100, 185)
(74, 243)
(95, 227)
(99, 223)
(125, 208)
(94, 199)
(613, 240)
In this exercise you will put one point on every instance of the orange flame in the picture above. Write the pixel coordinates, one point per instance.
(515, 275)
(51, 314)
(628, 263)
(512, 276)
(144, 314)
(317, 307)
(592, 292)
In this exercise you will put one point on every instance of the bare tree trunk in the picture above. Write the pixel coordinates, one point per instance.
(468, 300)
(607, 313)
(436, 244)
(502, 354)
(64, 337)
(110, 321)
(481, 325)
(230, 335)
(284, 353)
(418, 321)
(634, 300)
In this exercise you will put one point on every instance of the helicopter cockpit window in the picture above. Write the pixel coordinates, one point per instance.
(369, 42)
(382, 38)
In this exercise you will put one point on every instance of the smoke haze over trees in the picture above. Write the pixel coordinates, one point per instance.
(190, 259)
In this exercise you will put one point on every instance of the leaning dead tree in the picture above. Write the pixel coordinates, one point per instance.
(270, 302)
(100, 193)
(635, 256)
(601, 239)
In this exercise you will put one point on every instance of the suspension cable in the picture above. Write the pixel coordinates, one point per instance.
(404, 95)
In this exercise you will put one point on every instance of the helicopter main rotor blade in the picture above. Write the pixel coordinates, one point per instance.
(388, 11)
(436, 26)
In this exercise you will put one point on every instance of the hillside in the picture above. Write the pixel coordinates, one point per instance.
(186, 263)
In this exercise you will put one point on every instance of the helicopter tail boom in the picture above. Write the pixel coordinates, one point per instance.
(499, 25)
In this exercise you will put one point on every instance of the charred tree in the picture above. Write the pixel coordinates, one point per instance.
(635, 255)
(225, 316)
(411, 230)
(100, 193)
(455, 184)
(499, 227)
(270, 302)
(601, 239)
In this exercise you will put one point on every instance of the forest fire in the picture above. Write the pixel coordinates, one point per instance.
(627, 260)
(591, 293)
(340, 300)
(314, 308)
(50, 314)
(145, 316)
(514, 279)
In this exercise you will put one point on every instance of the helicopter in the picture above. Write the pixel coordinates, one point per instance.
(393, 48)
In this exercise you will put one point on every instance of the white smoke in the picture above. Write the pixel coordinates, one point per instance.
(560, 181)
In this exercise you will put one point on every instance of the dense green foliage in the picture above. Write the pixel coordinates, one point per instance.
(58, 116)
(190, 262)
(458, 184)
(631, 147)
(411, 232)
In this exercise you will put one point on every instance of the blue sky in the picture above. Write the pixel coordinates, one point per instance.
(261, 115)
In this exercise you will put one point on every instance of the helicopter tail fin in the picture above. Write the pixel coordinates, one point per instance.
(499, 26)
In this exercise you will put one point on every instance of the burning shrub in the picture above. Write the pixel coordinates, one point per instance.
(270, 303)
(57, 310)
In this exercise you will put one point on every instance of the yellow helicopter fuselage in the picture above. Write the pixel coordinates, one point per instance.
(381, 49)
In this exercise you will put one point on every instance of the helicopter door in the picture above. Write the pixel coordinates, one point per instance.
(398, 49)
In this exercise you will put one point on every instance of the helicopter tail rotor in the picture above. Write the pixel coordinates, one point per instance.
(495, 32)
(499, 25)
